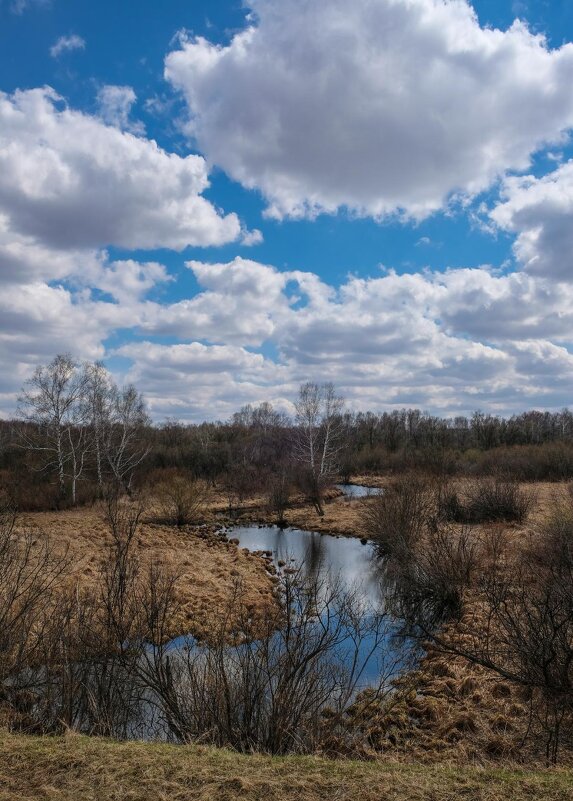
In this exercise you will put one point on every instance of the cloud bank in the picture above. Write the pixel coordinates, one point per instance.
(382, 108)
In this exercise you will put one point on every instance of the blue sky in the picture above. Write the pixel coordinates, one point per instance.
(362, 225)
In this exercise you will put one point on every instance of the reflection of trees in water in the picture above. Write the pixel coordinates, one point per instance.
(319, 555)
(314, 557)
(309, 554)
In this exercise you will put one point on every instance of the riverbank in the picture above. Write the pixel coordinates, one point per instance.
(207, 567)
(74, 767)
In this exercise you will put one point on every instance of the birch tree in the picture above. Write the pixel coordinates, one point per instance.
(319, 437)
(51, 404)
(98, 410)
(79, 423)
(125, 445)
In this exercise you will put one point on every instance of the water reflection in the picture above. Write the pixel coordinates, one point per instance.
(351, 565)
(358, 490)
(345, 558)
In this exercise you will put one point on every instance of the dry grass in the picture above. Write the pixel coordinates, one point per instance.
(451, 710)
(73, 768)
(341, 514)
(208, 567)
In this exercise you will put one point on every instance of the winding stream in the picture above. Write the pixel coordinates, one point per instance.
(348, 560)
(322, 555)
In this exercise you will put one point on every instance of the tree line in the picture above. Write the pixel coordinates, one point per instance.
(76, 431)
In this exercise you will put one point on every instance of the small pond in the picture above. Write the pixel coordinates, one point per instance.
(358, 490)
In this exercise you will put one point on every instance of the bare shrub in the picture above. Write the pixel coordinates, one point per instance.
(530, 640)
(267, 688)
(553, 545)
(521, 626)
(182, 498)
(240, 482)
(30, 573)
(397, 518)
(31, 576)
(87, 675)
(427, 586)
(549, 461)
(486, 501)
(313, 487)
(278, 496)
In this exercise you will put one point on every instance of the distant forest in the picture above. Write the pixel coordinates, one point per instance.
(76, 431)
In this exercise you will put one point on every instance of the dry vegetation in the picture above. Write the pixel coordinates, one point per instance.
(475, 563)
(91, 769)
(447, 709)
(207, 566)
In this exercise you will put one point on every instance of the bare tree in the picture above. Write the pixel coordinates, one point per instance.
(319, 433)
(98, 403)
(125, 446)
(51, 404)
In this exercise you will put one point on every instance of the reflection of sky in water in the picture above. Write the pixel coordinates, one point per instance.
(357, 490)
(344, 557)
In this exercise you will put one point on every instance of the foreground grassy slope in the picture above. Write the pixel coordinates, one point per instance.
(72, 768)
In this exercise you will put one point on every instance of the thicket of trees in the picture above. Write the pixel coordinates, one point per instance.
(76, 428)
(76, 432)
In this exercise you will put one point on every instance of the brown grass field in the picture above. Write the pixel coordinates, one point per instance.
(207, 567)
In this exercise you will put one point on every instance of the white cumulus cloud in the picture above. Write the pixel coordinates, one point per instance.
(71, 181)
(115, 104)
(380, 107)
(540, 212)
(449, 342)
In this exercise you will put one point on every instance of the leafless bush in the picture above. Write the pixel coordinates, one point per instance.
(486, 501)
(77, 649)
(240, 482)
(278, 496)
(313, 486)
(396, 519)
(521, 626)
(266, 689)
(30, 573)
(553, 545)
(529, 639)
(182, 498)
(427, 586)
